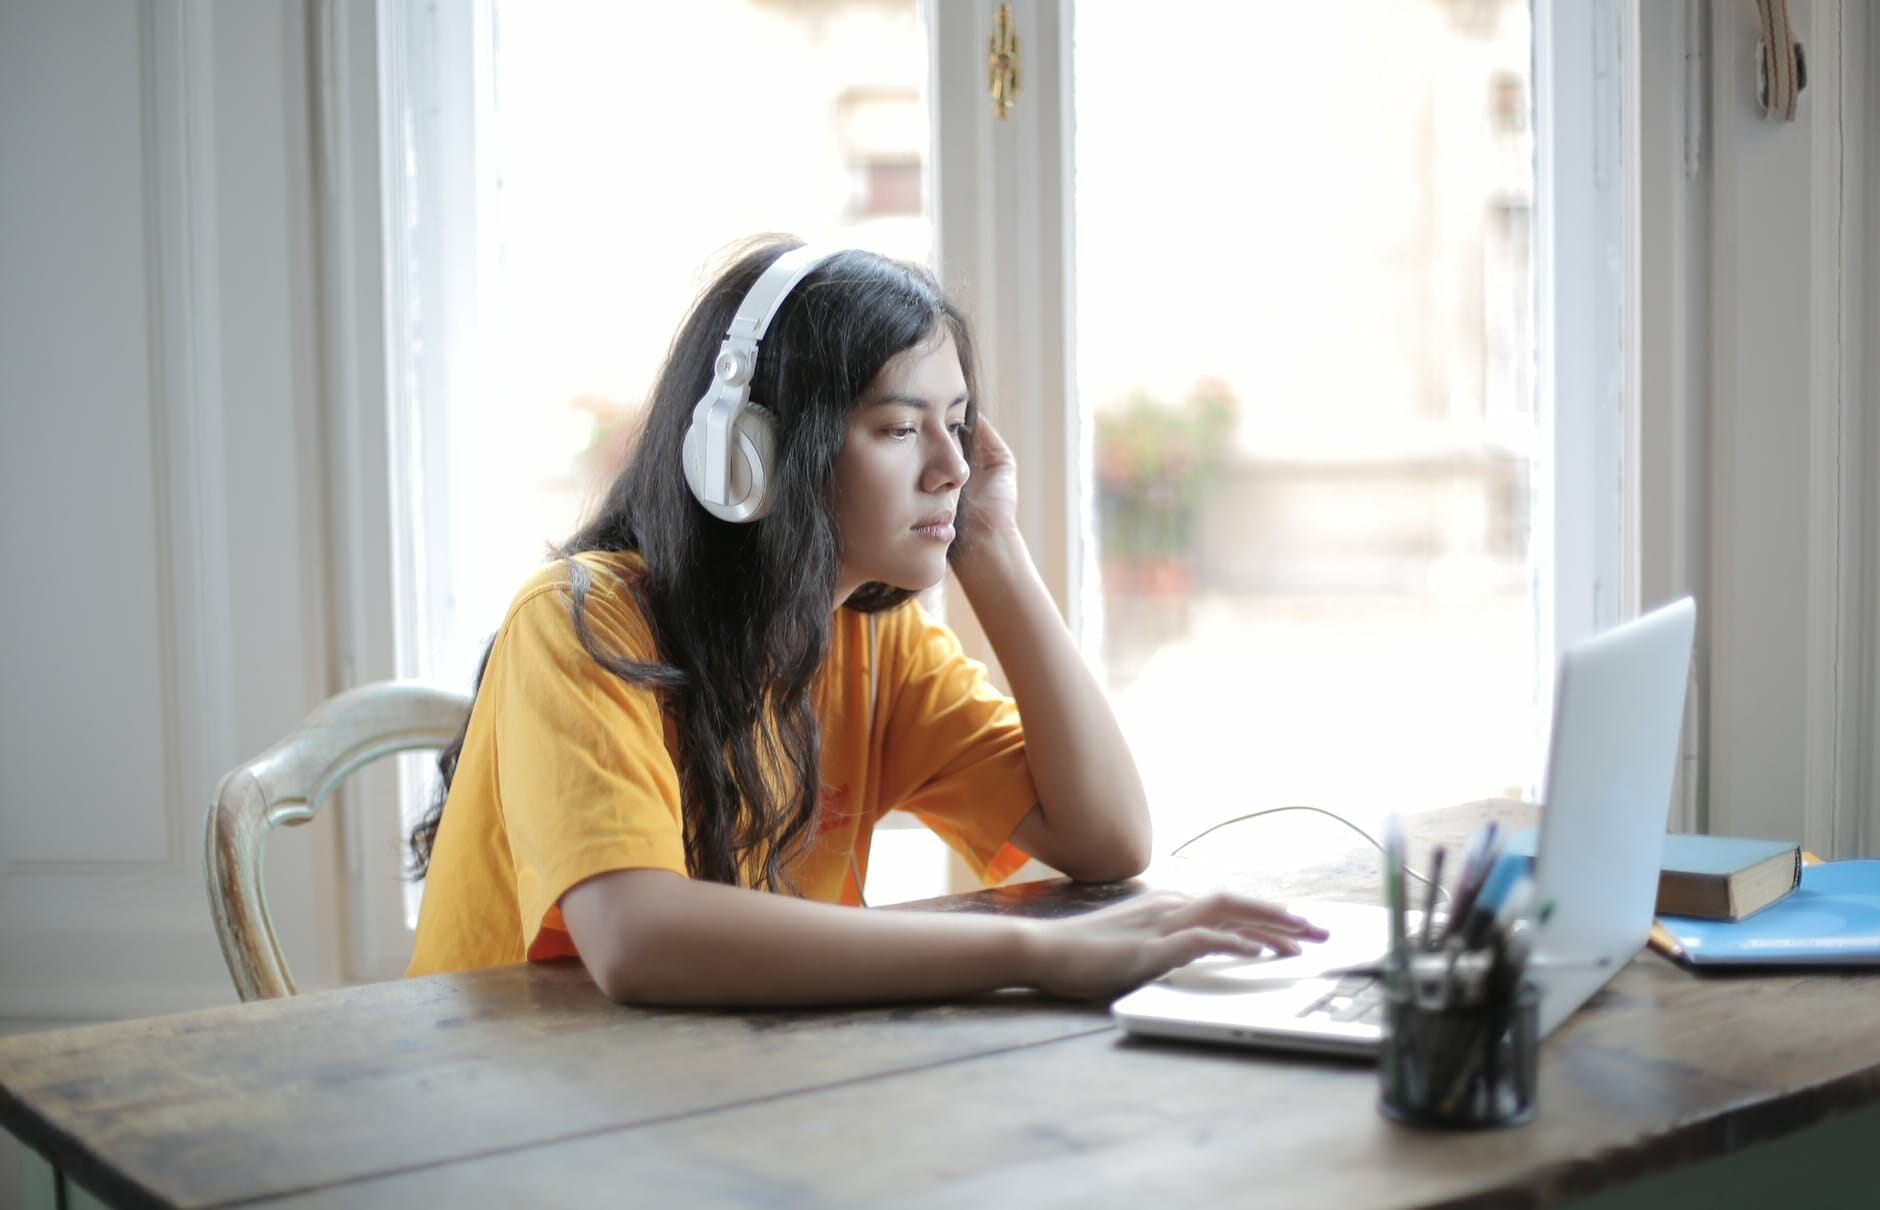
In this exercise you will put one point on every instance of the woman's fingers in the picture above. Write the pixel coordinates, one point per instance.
(1164, 913)
(1117, 947)
(992, 447)
(1179, 949)
(1243, 914)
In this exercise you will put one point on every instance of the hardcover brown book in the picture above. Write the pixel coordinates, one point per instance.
(1725, 877)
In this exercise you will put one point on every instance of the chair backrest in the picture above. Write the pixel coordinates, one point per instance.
(286, 785)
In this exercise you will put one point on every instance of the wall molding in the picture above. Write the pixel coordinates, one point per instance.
(163, 403)
(371, 939)
(1674, 351)
(1837, 636)
(1857, 758)
(213, 136)
(1863, 325)
(1782, 531)
(157, 905)
(188, 241)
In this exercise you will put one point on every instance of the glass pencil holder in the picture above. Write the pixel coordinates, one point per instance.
(1459, 1066)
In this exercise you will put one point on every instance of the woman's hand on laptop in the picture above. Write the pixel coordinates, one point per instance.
(1104, 953)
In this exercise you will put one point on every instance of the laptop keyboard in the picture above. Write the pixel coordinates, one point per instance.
(1357, 998)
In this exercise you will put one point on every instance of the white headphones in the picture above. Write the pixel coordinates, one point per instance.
(730, 442)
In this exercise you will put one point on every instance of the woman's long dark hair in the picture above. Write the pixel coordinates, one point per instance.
(741, 612)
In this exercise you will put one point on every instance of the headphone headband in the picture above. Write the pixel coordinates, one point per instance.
(771, 288)
(717, 417)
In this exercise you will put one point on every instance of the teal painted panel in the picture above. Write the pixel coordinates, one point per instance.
(1827, 1167)
(39, 1181)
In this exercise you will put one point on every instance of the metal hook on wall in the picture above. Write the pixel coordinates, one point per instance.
(1781, 67)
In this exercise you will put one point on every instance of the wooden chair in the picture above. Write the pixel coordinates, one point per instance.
(286, 785)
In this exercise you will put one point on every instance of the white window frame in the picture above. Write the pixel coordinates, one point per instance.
(1660, 481)
(380, 64)
(1005, 250)
(1584, 532)
(359, 346)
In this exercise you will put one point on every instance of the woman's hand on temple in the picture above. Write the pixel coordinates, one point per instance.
(994, 483)
(1104, 953)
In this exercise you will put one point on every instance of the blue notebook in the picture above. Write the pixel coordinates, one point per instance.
(1832, 919)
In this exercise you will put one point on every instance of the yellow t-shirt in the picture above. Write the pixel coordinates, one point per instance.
(567, 771)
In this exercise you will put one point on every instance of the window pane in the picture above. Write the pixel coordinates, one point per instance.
(1304, 349)
(619, 152)
(619, 171)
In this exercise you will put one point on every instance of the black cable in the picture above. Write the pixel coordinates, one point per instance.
(1375, 843)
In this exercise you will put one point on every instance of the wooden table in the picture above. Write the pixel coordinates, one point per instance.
(523, 1086)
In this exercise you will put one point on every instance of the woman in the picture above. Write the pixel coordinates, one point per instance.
(686, 728)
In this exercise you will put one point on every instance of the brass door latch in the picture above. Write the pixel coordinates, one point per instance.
(1002, 62)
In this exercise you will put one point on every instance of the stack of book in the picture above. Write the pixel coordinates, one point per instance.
(1732, 901)
(1763, 903)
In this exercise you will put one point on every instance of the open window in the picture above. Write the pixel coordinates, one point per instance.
(1282, 341)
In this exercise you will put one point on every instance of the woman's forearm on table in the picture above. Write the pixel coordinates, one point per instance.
(653, 937)
(1092, 820)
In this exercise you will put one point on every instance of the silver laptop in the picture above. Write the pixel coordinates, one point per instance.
(1618, 712)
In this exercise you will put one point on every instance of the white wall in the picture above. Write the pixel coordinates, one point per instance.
(162, 464)
(1761, 424)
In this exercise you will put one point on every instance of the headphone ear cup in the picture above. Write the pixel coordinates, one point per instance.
(752, 452)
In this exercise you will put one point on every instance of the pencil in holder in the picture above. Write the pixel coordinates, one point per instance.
(1459, 1065)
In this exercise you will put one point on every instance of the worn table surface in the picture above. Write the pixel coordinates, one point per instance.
(523, 1085)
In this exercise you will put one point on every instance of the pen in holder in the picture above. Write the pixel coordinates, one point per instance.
(1456, 1061)
(1461, 1029)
